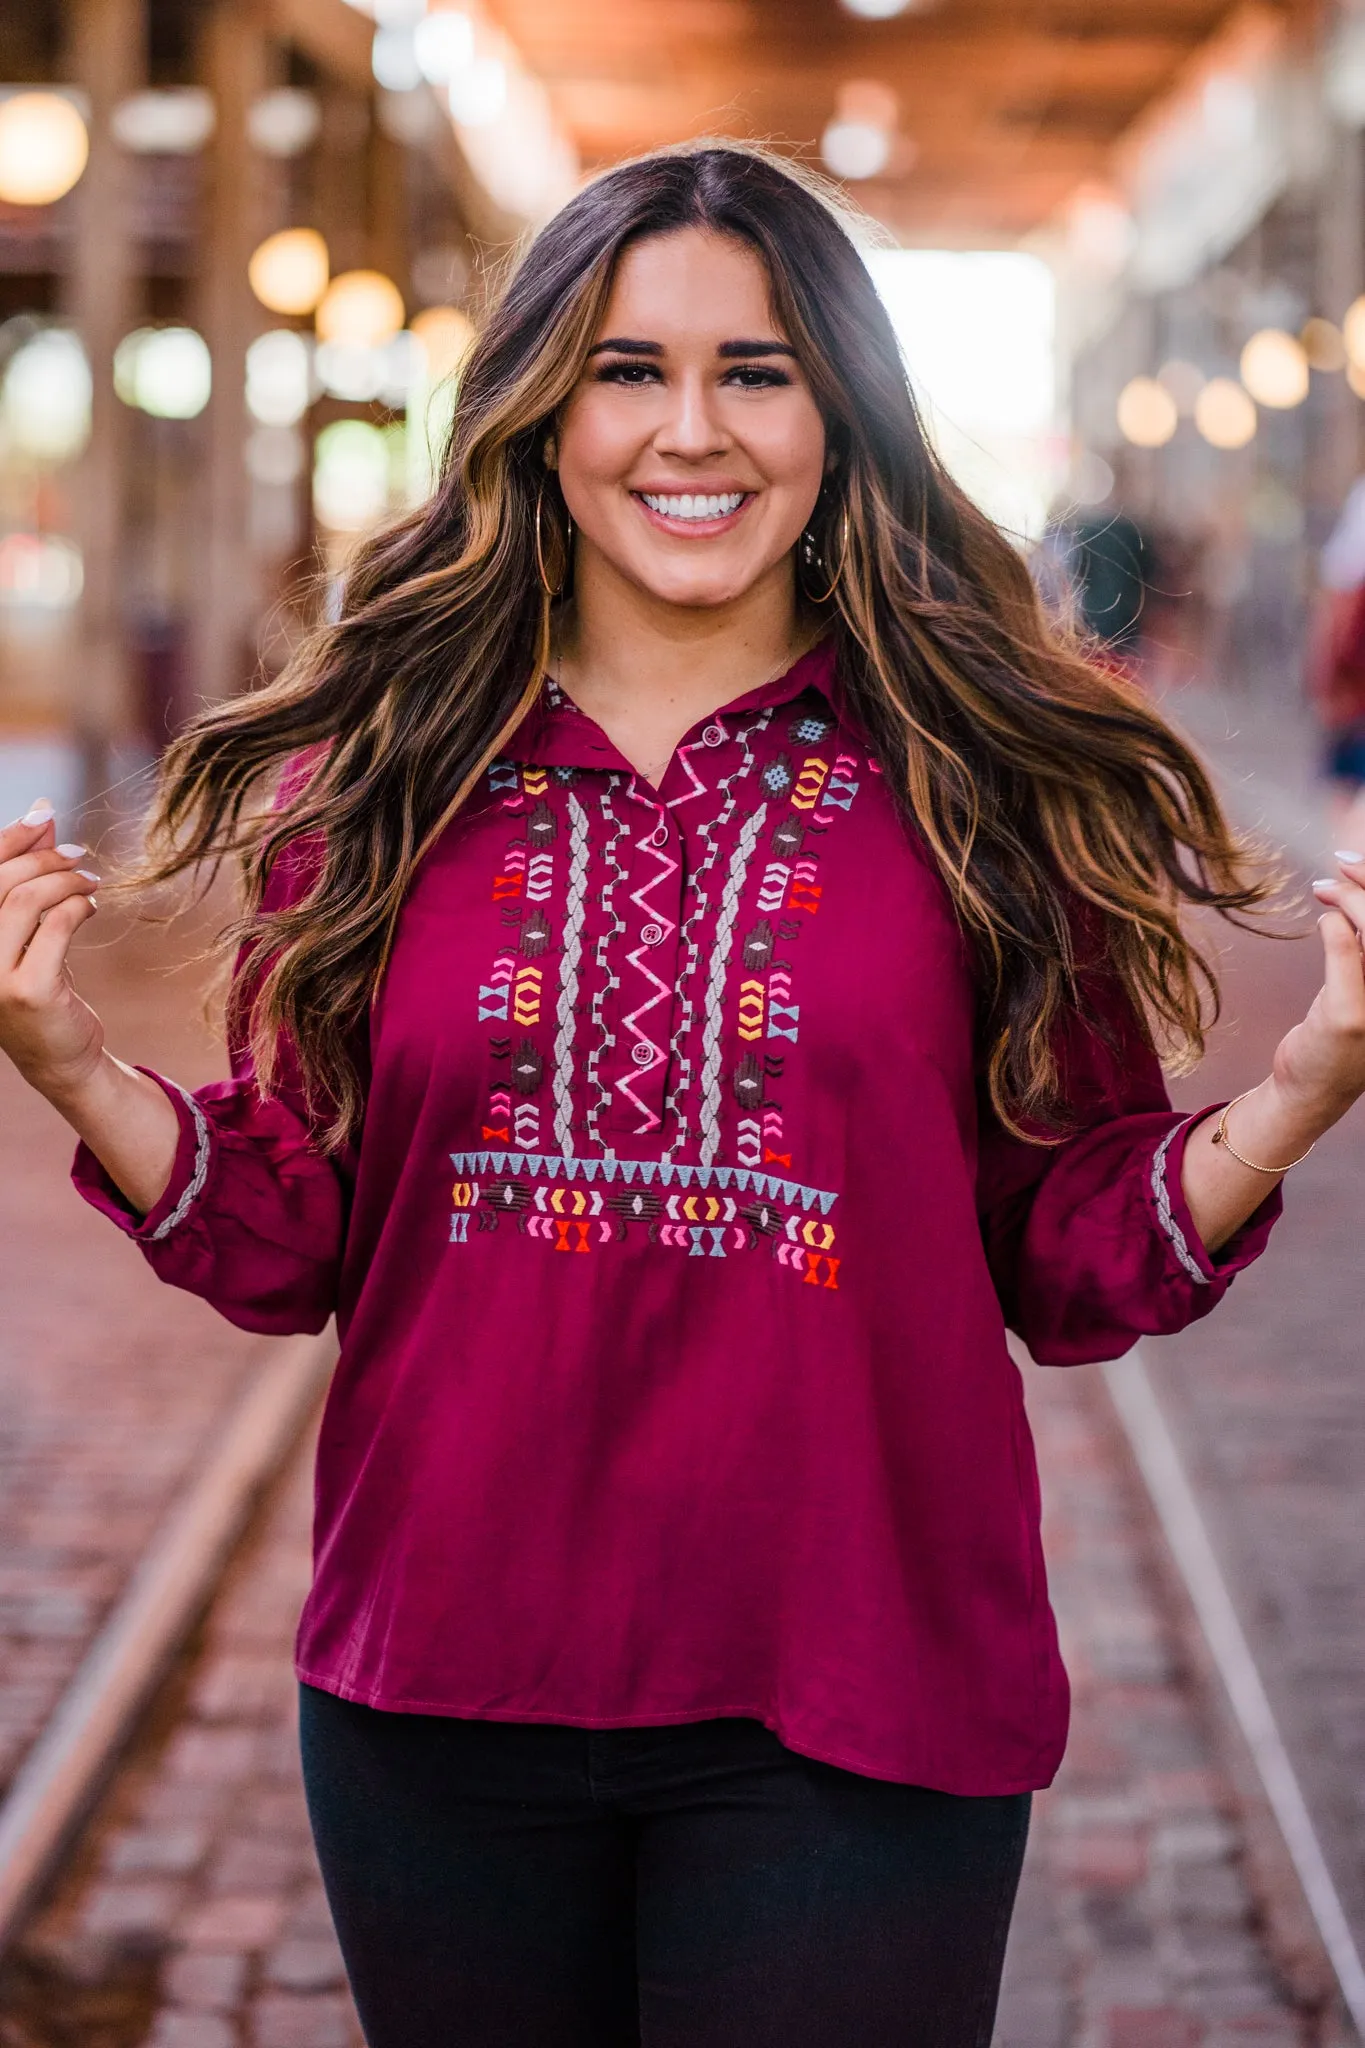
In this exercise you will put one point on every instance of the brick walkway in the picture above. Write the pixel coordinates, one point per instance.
(193, 1917)
(110, 1384)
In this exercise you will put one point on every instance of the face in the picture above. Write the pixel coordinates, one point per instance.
(691, 452)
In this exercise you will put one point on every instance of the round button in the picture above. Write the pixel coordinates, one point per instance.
(713, 736)
(659, 836)
(652, 934)
(643, 1055)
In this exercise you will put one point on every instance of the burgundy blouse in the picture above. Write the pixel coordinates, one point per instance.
(674, 1264)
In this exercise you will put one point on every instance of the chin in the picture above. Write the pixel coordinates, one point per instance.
(698, 589)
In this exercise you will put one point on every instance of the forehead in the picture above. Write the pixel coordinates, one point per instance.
(691, 284)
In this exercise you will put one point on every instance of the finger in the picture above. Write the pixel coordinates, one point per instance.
(40, 971)
(1346, 897)
(47, 860)
(38, 825)
(1344, 979)
(25, 906)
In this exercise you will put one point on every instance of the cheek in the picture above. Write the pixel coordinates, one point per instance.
(792, 451)
(597, 443)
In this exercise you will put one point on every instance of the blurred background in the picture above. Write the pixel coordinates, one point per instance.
(244, 245)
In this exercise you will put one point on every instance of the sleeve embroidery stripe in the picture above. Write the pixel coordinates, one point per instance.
(1161, 1194)
(195, 1186)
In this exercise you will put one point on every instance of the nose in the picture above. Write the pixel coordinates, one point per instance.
(691, 430)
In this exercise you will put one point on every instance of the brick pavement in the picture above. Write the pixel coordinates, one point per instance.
(192, 1916)
(109, 1382)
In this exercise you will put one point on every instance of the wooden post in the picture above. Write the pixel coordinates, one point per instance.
(236, 68)
(106, 56)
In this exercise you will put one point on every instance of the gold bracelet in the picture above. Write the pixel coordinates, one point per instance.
(1220, 1137)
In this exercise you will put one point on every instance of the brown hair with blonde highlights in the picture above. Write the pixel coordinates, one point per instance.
(1054, 800)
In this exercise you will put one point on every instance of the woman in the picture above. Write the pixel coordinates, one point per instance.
(703, 948)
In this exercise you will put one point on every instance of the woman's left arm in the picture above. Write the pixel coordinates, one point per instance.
(1318, 1072)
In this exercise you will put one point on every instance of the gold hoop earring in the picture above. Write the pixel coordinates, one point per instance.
(809, 557)
(551, 590)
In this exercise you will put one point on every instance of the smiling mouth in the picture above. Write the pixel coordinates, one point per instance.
(694, 508)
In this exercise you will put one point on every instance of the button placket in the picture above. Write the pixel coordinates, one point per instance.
(646, 966)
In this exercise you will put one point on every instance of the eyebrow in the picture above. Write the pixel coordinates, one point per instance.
(620, 344)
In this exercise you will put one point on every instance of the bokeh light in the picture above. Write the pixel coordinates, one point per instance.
(164, 371)
(46, 396)
(1322, 345)
(285, 122)
(477, 93)
(1275, 369)
(1224, 414)
(350, 476)
(446, 335)
(289, 271)
(171, 121)
(1147, 414)
(393, 59)
(44, 148)
(279, 378)
(361, 308)
(443, 43)
(40, 572)
(1353, 330)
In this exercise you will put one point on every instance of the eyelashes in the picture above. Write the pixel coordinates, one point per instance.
(745, 377)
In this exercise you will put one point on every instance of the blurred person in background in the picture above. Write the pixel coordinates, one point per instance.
(702, 949)
(1337, 660)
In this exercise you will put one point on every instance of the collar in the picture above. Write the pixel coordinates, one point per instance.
(556, 734)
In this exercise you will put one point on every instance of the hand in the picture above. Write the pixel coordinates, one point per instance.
(47, 893)
(1320, 1065)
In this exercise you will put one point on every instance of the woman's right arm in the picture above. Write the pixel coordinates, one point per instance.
(223, 1190)
(53, 1037)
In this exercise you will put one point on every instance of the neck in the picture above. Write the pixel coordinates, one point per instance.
(626, 655)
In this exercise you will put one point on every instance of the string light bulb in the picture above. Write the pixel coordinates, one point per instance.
(361, 308)
(1147, 413)
(1275, 369)
(44, 148)
(1224, 414)
(289, 271)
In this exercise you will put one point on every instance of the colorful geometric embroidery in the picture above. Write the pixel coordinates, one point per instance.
(729, 990)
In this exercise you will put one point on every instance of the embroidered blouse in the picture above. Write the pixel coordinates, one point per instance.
(674, 1263)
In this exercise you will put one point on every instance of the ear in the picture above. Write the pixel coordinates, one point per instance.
(550, 453)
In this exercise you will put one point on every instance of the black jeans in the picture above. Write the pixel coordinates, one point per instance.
(497, 1885)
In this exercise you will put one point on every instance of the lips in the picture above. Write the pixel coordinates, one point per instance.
(694, 515)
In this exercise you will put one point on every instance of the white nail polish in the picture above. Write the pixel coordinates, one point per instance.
(1324, 882)
(38, 814)
(70, 852)
(87, 875)
(1352, 859)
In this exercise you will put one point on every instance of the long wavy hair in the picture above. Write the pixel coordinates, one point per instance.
(1070, 825)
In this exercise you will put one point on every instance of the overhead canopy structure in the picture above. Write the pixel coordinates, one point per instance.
(1002, 107)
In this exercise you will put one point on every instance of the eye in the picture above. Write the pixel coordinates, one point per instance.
(626, 372)
(756, 377)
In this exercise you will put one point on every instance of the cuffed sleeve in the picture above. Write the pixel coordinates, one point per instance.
(253, 1217)
(255, 1214)
(1090, 1242)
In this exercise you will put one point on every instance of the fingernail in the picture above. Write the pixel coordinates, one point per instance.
(86, 874)
(70, 852)
(39, 813)
(1324, 882)
(1352, 859)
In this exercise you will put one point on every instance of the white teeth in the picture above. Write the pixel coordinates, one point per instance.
(688, 506)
